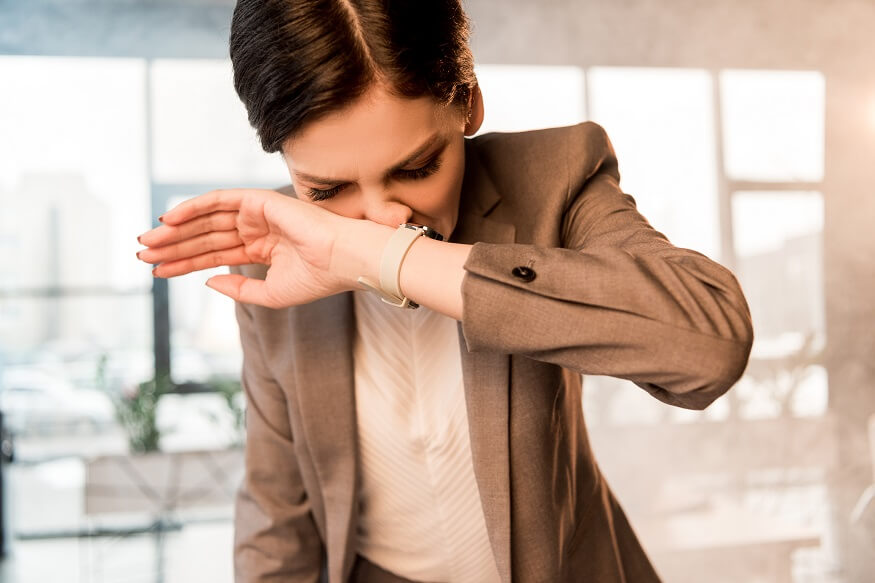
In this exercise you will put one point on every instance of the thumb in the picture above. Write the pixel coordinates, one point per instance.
(241, 288)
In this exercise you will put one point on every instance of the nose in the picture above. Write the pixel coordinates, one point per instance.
(385, 210)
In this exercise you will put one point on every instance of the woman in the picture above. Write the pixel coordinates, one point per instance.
(445, 443)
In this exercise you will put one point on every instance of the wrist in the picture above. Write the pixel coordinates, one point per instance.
(359, 251)
(393, 258)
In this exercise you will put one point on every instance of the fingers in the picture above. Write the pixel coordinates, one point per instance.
(199, 245)
(243, 289)
(166, 234)
(210, 202)
(234, 256)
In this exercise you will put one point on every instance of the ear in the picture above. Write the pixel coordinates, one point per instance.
(475, 111)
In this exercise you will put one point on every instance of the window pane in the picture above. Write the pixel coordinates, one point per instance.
(73, 181)
(204, 335)
(775, 387)
(773, 124)
(778, 242)
(523, 97)
(660, 122)
(200, 130)
(779, 246)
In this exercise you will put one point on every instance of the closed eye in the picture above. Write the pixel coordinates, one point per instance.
(421, 172)
(318, 194)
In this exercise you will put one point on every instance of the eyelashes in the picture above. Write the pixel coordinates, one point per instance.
(422, 171)
(317, 194)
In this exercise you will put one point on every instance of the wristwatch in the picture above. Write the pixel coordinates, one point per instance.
(389, 288)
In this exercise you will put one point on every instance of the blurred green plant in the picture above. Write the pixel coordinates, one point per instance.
(136, 411)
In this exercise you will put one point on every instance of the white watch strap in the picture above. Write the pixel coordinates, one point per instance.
(389, 288)
(393, 256)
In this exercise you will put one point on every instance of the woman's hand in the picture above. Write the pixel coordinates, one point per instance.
(311, 252)
(296, 239)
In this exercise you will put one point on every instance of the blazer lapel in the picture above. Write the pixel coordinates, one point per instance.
(486, 394)
(486, 375)
(323, 354)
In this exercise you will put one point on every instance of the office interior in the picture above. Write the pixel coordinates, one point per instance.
(744, 130)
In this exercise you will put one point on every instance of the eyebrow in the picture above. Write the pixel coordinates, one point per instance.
(436, 138)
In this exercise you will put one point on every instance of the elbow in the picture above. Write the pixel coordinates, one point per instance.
(718, 370)
(709, 368)
(723, 360)
(744, 343)
(733, 358)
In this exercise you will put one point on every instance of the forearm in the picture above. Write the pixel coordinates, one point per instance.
(672, 321)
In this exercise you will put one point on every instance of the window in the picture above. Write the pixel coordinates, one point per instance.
(520, 97)
(73, 188)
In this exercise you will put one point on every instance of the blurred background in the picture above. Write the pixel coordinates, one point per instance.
(744, 130)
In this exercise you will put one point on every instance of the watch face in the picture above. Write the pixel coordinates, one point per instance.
(426, 231)
(429, 232)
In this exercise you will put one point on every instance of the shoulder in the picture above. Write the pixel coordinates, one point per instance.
(573, 153)
(549, 163)
(586, 137)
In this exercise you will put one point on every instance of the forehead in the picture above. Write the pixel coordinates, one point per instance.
(369, 135)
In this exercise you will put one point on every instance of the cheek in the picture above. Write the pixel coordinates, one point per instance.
(439, 195)
(346, 206)
(434, 197)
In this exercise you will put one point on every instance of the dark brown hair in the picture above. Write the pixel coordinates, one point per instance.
(297, 60)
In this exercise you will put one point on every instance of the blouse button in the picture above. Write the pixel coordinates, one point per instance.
(523, 273)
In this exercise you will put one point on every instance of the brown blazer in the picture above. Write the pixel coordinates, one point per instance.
(611, 296)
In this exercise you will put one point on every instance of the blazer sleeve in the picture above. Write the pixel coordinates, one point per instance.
(275, 536)
(617, 298)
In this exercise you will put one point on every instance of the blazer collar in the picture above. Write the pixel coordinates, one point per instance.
(478, 198)
(324, 331)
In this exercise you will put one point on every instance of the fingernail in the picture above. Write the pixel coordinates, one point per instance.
(138, 254)
(139, 239)
(161, 219)
(154, 269)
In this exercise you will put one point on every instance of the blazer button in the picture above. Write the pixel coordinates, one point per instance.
(524, 273)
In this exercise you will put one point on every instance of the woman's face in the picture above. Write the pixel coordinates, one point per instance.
(384, 158)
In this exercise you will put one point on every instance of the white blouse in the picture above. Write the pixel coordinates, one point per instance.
(420, 510)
